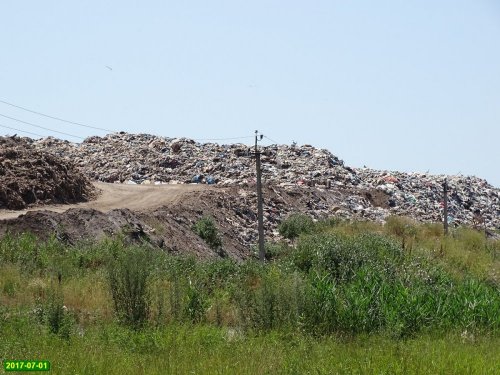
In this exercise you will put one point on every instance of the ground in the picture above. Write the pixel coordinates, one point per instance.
(163, 215)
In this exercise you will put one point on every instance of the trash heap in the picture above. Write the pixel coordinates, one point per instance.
(238, 208)
(471, 200)
(360, 193)
(143, 158)
(29, 176)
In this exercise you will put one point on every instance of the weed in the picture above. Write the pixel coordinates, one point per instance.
(207, 230)
(196, 303)
(128, 274)
(52, 312)
(294, 225)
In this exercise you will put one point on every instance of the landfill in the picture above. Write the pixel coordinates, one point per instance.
(360, 193)
(29, 177)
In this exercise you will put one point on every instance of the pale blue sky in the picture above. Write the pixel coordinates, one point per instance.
(403, 85)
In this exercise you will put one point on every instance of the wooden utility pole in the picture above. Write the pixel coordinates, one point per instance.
(445, 207)
(260, 210)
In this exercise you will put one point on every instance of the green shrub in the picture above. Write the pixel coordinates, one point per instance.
(9, 287)
(270, 298)
(321, 304)
(294, 225)
(128, 274)
(341, 256)
(196, 303)
(176, 301)
(207, 230)
(52, 313)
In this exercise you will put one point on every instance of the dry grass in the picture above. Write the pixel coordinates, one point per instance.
(463, 251)
(88, 297)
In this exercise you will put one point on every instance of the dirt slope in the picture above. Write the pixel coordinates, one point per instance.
(119, 196)
(163, 215)
(155, 214)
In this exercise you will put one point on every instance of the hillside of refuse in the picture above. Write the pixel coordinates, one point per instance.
(366, 193)
(32, 177)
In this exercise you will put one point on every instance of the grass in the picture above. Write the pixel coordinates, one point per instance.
(346, 298)
(201, 349)
(464, 251)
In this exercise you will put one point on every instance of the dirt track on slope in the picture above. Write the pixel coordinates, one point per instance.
(118, 196)
(163, 216)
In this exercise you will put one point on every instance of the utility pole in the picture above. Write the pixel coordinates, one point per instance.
(260, 210)
(445, 207)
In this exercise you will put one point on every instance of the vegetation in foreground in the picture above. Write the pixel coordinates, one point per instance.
(346, 298)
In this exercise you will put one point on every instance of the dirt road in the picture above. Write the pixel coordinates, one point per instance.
(133, 197)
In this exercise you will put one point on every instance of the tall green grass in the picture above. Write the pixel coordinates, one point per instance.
(202, 349)
(329, 282)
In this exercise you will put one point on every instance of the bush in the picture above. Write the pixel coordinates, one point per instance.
(270, 298)
(341, 256)
(196, 303)
(294, 225)
(207, 230)
(52, 313)
(128, 274)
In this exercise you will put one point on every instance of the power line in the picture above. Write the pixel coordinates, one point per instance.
(222, 139)
(271, 140)
(41, 127)
(57, 118)
(233, 138)
(21, 131)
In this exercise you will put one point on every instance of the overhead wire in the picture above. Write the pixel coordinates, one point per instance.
(272, 140)
(99, 128)
(95, 127)
(222, 139)
(21, 131)
(57, 118)
(41, 127)
(91, 127)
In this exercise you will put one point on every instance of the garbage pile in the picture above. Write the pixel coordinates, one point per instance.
(143, 158)
(234, 209)
(471, 200)
(29, 177)
(364, 193)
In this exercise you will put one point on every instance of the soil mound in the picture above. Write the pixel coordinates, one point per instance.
(169, 224)
(30, 177)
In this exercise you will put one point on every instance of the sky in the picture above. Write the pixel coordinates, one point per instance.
(397, 85)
